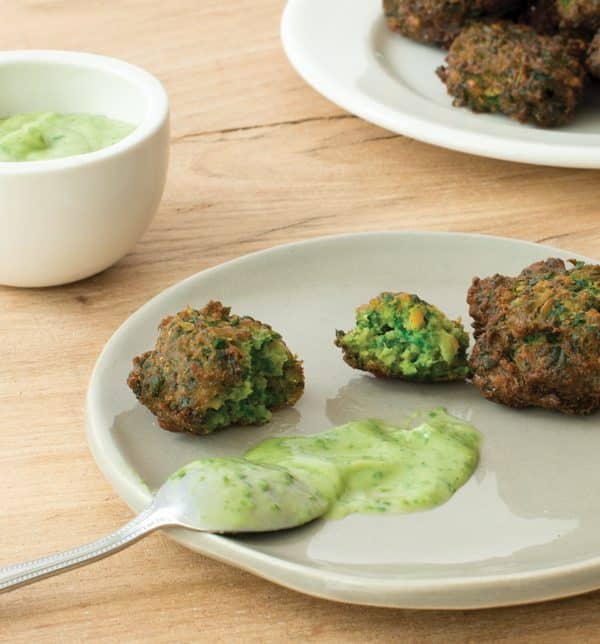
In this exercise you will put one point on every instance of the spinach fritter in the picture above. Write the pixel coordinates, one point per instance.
(438, 22)
(509, 68)
(578, 14)
(537, 337)
(401, 336)
(575, 18)
(211, 369)
(593, 57)
(542, 16)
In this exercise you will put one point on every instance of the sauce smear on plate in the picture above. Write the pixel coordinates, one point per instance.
(366, 466)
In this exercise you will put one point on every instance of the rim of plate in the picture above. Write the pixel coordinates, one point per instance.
(412, 125)
(450, 592)
(155, 96)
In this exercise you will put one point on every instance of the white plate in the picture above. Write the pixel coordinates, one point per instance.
(525, 527)
(345, 51)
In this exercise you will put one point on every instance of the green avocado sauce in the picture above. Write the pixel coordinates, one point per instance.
(36, 136)
(366, 466)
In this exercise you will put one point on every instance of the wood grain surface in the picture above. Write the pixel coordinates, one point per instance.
(258, 158)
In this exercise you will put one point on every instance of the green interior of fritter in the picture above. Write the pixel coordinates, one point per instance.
(211, 369)
(267, 384)
(400, 335)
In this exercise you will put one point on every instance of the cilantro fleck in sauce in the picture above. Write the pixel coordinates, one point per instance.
(366, 466)
(36, 136)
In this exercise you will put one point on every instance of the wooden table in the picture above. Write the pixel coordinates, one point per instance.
(258, 158)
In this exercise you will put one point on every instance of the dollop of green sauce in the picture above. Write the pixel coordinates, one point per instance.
(366, 466)
(371, 466)
(36, 136)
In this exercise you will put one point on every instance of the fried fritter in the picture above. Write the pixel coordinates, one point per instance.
(537, 337)
(578, 14)
(593, 57)
(401, 336)
(211, 369)
(509, 68)
(575, 18)
(438, 22)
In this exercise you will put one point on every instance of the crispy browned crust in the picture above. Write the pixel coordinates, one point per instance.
(438, 22)
(537, 337)
(593, 57)
(578, 14)
(510, 68)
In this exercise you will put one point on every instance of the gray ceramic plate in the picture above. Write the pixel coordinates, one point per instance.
(524, 528)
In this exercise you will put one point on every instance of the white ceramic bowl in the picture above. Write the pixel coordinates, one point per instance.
(65, 219)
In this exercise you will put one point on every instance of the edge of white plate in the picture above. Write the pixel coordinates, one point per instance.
(441, 593)
(460, 140)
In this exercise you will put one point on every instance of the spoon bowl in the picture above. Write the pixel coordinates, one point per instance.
(235, 495)
(211, 495)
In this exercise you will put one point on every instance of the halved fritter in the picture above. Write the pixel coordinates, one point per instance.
(538, 337)
(211, 369)
(401, 336)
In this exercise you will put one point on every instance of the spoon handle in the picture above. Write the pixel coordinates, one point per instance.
(16, 575)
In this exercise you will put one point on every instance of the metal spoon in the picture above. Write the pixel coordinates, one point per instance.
(212, 495)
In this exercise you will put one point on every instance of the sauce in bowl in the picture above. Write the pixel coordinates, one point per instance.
(37, 136)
